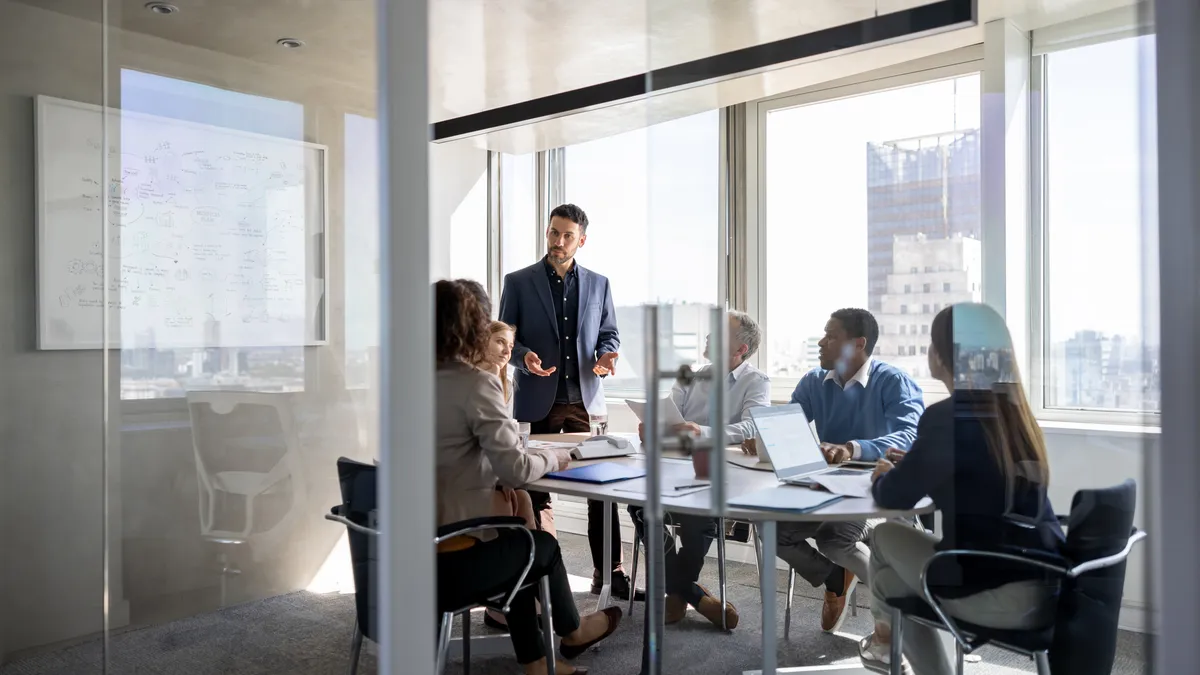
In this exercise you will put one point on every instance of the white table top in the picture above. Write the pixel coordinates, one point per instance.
(738, 481)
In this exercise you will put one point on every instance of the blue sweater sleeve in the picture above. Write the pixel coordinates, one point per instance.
(801, 394)
(903, 403)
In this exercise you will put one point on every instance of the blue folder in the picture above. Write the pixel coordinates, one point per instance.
(604, 472)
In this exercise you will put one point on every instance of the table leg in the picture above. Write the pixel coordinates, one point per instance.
(606, 572)
(766, 573)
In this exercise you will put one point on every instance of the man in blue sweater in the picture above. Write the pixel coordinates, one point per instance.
(861, 408)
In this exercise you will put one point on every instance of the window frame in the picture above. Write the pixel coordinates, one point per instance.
(1039, 257)
(957, 63)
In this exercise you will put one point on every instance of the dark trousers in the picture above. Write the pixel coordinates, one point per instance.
(491, 568)
(572, 418)
(683, 564)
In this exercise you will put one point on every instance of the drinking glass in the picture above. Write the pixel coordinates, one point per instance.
(523, 430)
(599, 424)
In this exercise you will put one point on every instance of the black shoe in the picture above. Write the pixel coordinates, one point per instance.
(620, 586)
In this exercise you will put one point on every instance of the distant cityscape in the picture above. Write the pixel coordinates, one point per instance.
(924, 254)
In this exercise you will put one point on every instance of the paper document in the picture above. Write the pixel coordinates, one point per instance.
(597, 449)
(670, 412)
(549, 445)
(847, 486)
(670, 490)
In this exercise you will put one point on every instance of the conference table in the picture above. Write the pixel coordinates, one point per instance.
(676, 469)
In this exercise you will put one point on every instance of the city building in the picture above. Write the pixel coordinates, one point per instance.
(928, 274)
(927, 185)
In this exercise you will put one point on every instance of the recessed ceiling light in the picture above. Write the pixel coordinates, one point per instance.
(289, 43)
(161, 8)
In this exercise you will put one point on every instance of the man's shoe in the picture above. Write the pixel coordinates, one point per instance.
(710, 608)
(835, 610)
(676, 609)
(620, 586)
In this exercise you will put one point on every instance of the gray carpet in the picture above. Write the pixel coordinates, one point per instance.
(308, 633)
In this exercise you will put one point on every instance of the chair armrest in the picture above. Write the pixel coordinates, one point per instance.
(964, 553)
(476, 525)
(337, 514)
(464, 527)
(1110, 560)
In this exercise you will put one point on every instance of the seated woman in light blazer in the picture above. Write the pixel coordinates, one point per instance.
(478, 447)
(980, 456)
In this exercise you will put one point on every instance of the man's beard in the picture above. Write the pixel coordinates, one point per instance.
(560, 257)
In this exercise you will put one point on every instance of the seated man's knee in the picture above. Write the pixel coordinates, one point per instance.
(835, 537)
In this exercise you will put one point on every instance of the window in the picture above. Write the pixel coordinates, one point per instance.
(903, 329)
(946, 287)
(469, 231)
(521, 226)
(924, 329)
(612, 180)
(1097, 351)
(923, 350)
(153, 370)
(362, 249)
(899, 170)
(925, 309)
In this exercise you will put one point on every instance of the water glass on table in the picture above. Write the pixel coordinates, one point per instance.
(523, 431)
(599, 424)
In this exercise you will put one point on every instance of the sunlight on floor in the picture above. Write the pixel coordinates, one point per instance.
(336, 574)
(580, 584)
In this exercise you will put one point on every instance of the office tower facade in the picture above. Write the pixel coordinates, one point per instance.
(928, 185)
(927, 275)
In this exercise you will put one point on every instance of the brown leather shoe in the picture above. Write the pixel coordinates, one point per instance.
(676, 609)
(835, 609)
(571, 652)
(710, 608)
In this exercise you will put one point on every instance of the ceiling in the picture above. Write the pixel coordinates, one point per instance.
(490, 53)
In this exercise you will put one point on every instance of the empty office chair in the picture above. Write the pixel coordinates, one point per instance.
(246, 449)
(1082, 638)
(358, 513)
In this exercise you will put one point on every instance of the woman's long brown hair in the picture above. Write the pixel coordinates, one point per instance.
(1013, 436)
(461, 323)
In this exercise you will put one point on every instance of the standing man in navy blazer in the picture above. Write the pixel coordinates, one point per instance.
(566, 340)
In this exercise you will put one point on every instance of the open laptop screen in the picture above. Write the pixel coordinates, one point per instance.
(788, 440)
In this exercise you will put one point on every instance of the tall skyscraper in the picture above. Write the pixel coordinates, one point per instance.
(928, 185)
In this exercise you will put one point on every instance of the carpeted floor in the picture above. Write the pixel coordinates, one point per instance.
(305, 633)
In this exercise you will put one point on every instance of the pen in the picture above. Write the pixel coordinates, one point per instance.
(695, 485)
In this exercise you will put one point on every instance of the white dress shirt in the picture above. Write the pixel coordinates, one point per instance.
(747, 387)
(862, 377)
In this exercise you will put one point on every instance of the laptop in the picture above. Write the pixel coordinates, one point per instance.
(787, 441)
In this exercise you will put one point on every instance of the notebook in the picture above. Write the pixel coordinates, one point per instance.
(785, 498)
(605, 472)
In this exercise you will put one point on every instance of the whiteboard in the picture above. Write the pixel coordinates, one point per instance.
(203, 237)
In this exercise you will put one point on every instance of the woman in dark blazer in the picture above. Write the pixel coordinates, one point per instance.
(980, 456)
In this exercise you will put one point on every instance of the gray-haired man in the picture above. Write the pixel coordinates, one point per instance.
(747, 388)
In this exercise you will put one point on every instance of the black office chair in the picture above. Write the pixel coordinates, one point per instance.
(1082, 638)
(358, 513)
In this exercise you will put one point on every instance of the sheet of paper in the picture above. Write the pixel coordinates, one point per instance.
(547, 445)
(847, 486)
(670, 412)
(669, 490)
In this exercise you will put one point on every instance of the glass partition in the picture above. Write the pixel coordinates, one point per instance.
(240, 258)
